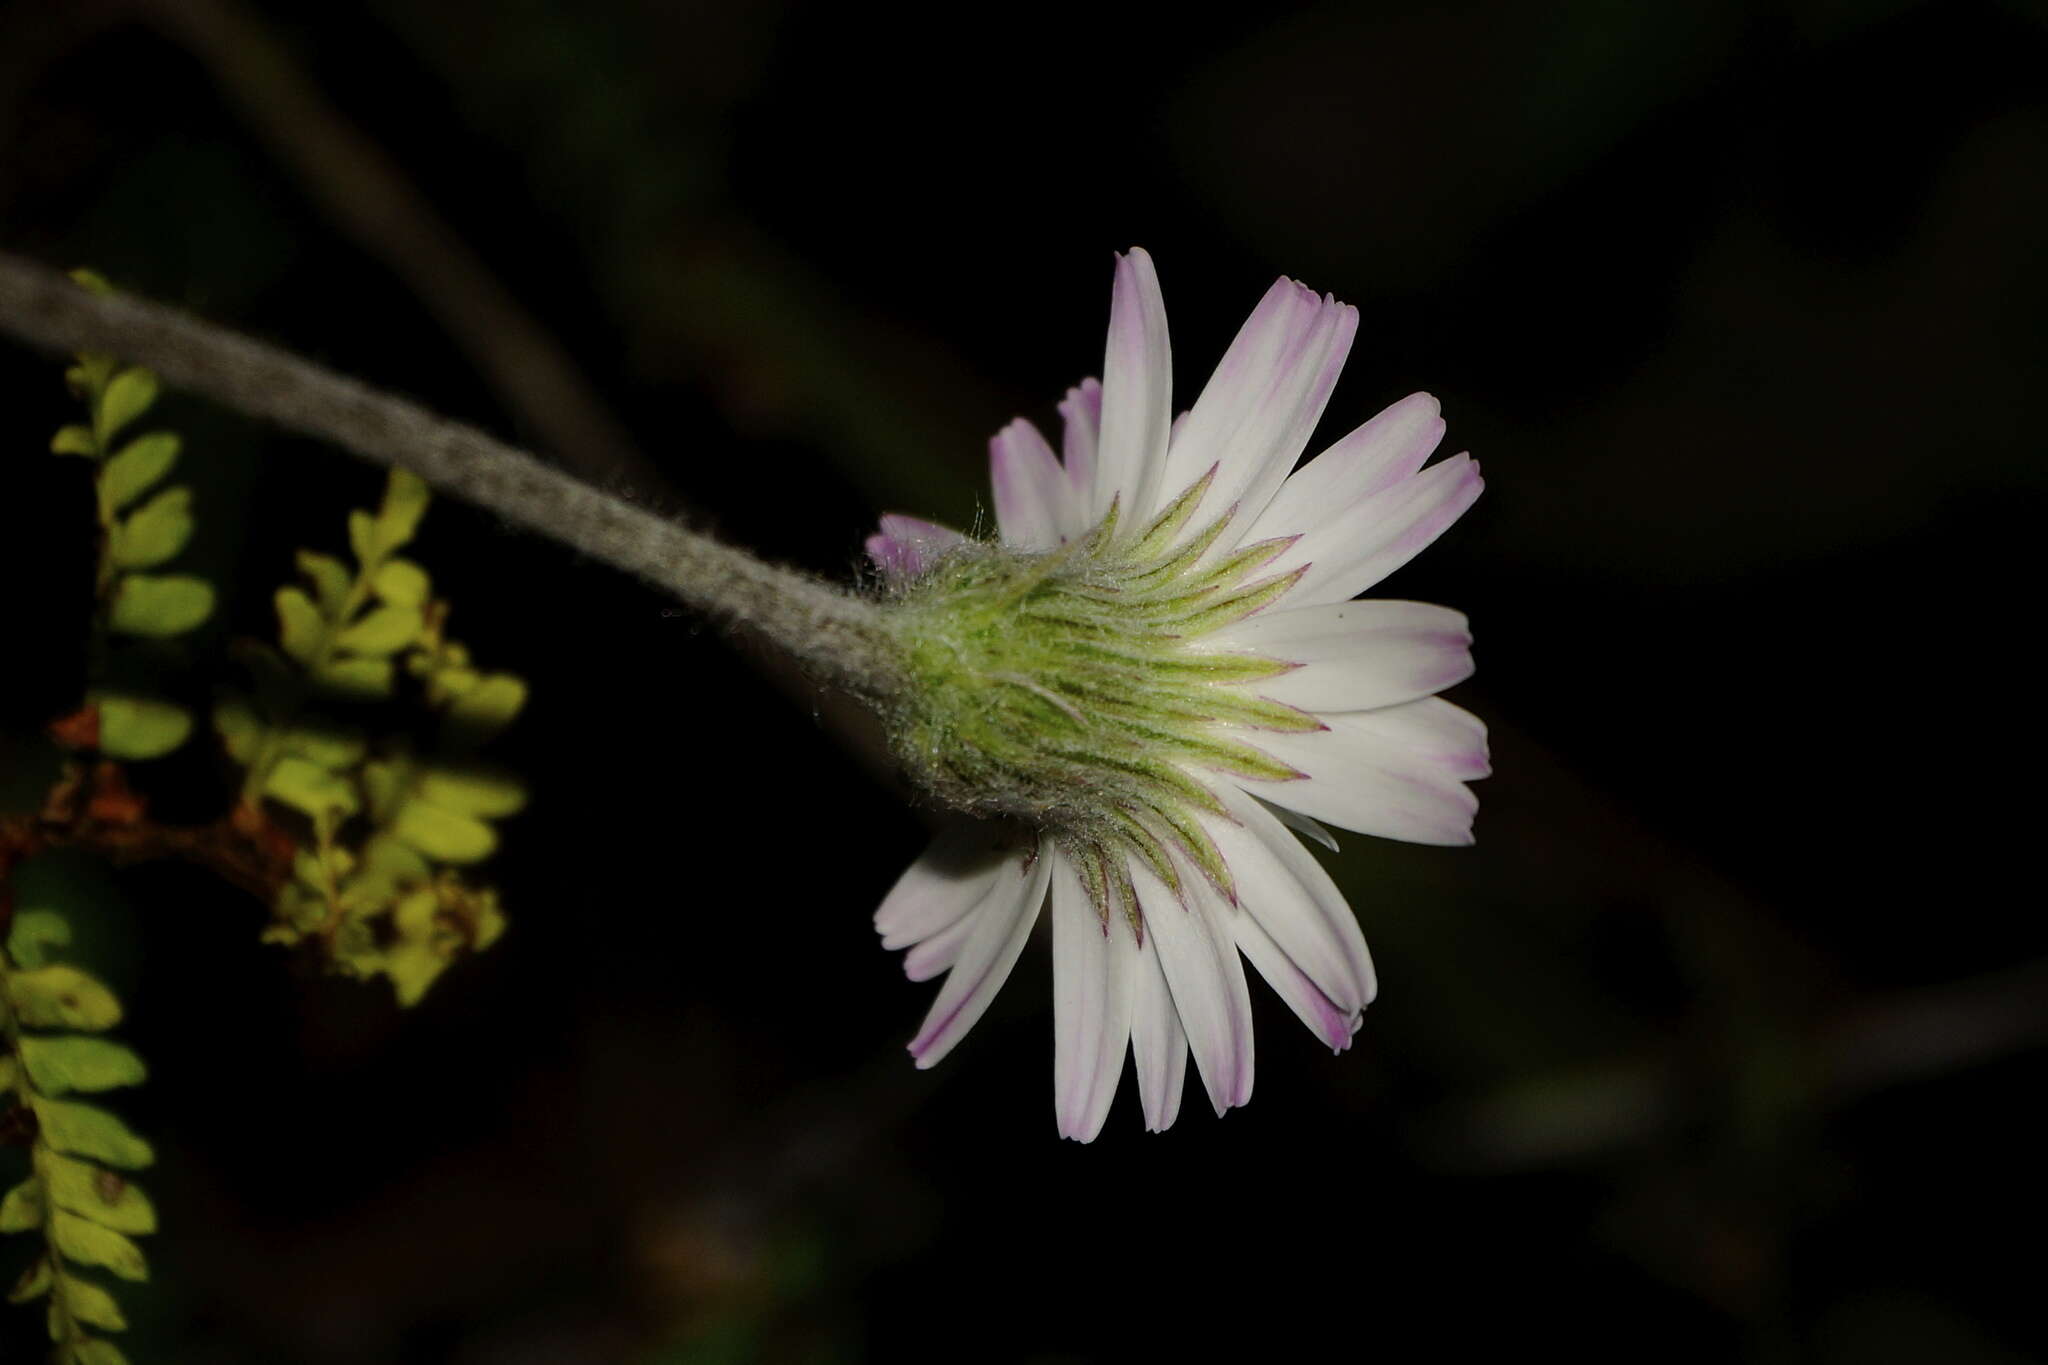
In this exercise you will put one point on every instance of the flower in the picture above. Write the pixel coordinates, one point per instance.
(1153, 675)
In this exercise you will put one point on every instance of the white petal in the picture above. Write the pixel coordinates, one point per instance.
(1379, 454)
(1137, 394)
(1440, 731)
(1282, 886)
(1300, 824)
(1378, 534)
(1325, 1018)
(1002, 923)
(1206, 977)
(1030, 489)
(930, 956)
(1366, 774)
(1256, 414)
(1354, 655)
(945, 882)
(1081, 414)
(1159, 1047)
(1093, 964)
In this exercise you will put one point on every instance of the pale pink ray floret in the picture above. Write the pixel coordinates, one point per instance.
(1391, 759)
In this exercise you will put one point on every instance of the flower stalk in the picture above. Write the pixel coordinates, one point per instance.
(836, 633)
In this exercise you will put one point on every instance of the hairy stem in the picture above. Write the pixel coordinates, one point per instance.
(832, 630)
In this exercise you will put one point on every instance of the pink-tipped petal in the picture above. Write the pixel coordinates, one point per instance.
(945, 882)
(1093, 964)
(1159, 1046)
(1242, 380)
(1325, 1018)
(1282, 887)
(1081, 417)
(897, 561)
(1206, 977)
(1259, 408)
(1002, 925)
(1137, 394)
(1442, 732)
(1361, 777)
(1378, 534)
(929, 537)
(1354, 656)
(906, 546)
(1388, 448)
(1302, 401)
(1030, 490)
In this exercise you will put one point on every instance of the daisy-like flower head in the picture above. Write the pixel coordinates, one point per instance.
(1154, 673)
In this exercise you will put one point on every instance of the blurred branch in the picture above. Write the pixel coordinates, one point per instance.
(1923, 1033)
(1587, 1113)
(630, 153)
(366, 195)
(1771, 1034)
(96, 809)
(34, 36)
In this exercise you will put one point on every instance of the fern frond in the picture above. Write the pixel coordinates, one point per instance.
(75, 1194)
(375, 886)
(142, 527)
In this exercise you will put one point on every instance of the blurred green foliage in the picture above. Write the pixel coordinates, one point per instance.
(360, 837)
(75, 1193)
(134, 538)
(376, 884)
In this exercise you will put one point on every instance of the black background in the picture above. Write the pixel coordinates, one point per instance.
(1716, 1047)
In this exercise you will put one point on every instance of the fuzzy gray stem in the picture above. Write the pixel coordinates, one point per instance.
(838, 634)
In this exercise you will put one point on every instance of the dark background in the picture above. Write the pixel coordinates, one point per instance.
(1718, 1046)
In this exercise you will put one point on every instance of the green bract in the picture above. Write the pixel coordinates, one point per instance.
(1070, 688)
